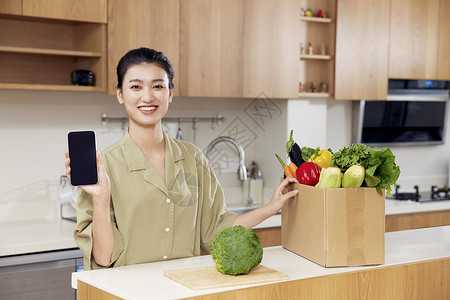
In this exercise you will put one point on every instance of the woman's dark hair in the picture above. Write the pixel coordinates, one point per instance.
(143, 55)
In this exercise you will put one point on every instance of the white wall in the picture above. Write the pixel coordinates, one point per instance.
(34, 125)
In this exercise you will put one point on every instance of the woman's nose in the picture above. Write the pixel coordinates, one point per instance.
(147, 95)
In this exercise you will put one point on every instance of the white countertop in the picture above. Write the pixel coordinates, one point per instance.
(398, 207)
(36, 236)
(140, 281)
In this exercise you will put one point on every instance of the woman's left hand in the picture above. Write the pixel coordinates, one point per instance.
(282, 194)
(256, 216)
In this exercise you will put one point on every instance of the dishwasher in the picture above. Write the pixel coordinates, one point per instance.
(43, 275)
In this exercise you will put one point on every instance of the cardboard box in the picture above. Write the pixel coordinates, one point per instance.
(335, 227)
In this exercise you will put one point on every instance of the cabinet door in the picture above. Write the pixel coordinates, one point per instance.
(271, 48)
(362, 36)
(413, 39)
(443, 65)
(79, 10)
(142, 23)
(11, 7)
(211, 42)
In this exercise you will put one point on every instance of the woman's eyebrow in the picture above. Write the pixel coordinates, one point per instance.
(134, 80)
(139, 80)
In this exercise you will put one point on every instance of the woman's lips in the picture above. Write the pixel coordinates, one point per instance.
(147, 109)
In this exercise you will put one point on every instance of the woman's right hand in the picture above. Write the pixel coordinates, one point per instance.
(100, 191)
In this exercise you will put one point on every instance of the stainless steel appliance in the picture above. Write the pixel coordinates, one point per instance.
(45, 275)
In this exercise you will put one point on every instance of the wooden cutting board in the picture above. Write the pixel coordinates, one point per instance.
(209, 278)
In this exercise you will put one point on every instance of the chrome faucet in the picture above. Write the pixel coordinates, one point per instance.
(242, 170)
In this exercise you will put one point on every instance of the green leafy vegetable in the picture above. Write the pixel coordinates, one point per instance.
(381, 170)
(307, 152)
(347, 157)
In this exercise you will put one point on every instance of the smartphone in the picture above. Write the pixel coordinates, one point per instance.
(83, 158)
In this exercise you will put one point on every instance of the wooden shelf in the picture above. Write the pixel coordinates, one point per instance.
(314, 95)
(316, 19)
(49, 87)
(55, 52)
(315, 56)
(41, 53)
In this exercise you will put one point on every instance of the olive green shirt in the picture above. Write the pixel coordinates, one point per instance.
(155, 220)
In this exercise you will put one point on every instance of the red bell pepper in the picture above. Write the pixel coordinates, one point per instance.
(308, 173)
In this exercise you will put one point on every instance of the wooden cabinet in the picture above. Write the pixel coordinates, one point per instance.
(211, 41)
(414, 39)
(443, 64)
(271, 43)
(269, 236)
(362, 48)
(39, 54)
(143, 23)
(272, 236)
(79, 10)
(239, 48)
(417, 220)
(12, 7)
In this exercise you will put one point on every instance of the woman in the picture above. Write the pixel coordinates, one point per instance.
(157, 197)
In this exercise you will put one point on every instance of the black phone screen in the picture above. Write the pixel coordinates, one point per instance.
(83, 160)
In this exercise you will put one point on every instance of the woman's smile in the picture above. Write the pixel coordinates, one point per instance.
(148, 109)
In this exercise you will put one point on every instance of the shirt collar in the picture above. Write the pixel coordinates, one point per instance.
(136, 159)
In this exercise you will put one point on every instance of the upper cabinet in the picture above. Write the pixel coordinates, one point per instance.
(79, 10)
(211, 47)
(362, 48)
(443, 65)
(270, 53)
(11, 7)
(142, 23)
(41, 53)
(419, 39)
(239, 48)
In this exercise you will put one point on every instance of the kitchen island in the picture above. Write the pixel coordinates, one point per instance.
(417, 266)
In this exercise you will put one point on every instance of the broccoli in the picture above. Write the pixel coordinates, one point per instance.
(236, 250)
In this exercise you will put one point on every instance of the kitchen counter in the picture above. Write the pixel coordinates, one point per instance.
(56, 234)
(416, 248)
(22, 237)
(392, 207)
(398, 207)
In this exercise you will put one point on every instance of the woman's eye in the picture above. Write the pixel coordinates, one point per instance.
(158, 86)
(135, 87)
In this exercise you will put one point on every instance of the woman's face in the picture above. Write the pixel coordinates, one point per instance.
(145, 94)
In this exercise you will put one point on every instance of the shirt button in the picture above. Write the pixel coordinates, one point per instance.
(167, 229)
(165, 257)
(167, 200)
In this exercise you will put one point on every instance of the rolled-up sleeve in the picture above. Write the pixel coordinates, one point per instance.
(83, 232)
(214, 214)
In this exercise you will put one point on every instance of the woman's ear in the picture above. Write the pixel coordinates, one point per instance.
(170, 95)
(119, 95)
